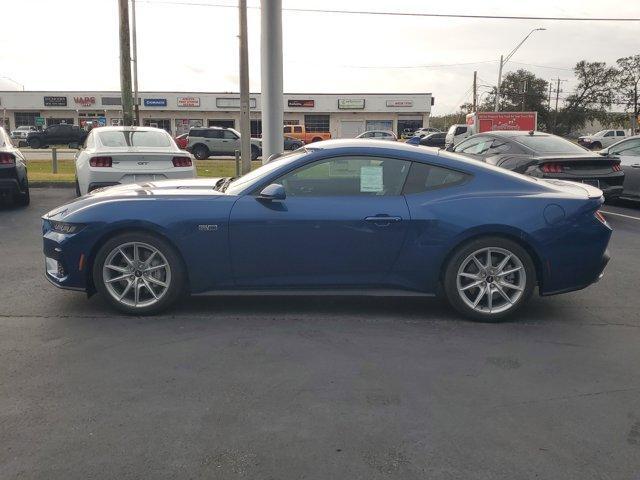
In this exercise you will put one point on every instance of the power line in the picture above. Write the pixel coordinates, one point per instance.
(541, 66)
(403, 14)
(435, 65)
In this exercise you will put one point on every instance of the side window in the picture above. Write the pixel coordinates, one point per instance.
(297, 129)
(610, 133)
(460, 130)
(631, 147)
(347, 176)
(476, 146)
(229, 135)
(620, 133)
(424, 177)
(500, 146)
(213, 133)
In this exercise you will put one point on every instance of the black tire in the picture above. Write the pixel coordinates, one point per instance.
(23, 198)
(255, 152)
(316, 139)
(450, 280)
(177, 283)
(201, 152)
(78, 194)
(596, 146)
(35, 143)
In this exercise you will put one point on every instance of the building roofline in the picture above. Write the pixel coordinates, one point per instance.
(214, 93)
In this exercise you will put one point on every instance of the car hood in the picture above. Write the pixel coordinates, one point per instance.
(197, 187)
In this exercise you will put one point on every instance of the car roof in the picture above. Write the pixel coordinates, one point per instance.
(209, 128)
(133, 128)
(516, 133)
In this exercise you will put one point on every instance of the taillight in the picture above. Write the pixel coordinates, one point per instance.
(100, 162)
(552, 168)
(7, 159)
(616, 167)
(181, 161)
(600, 217)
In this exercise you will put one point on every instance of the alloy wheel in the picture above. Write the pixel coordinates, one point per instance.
(491, 280)
(136, 274)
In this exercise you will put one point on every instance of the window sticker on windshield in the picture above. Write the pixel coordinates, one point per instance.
(371, 179)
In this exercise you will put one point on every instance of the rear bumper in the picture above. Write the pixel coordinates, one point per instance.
(611, 184)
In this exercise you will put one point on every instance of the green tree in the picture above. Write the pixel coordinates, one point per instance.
(627, 85)
(520, 91)
(591, 99)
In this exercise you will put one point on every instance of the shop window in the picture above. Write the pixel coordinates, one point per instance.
(386, 125)
(26, 118)
(316, 123)
(256, 128)
(164, 123)
(224, 123)
(57, 121)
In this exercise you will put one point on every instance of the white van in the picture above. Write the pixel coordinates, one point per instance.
(457, 133)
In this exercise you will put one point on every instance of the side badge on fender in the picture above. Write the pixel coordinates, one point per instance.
(207, 228)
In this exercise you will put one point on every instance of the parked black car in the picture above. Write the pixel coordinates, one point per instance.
(433, 139)
(291, 143)
(62, 134)
(13, 171)
(544, 155)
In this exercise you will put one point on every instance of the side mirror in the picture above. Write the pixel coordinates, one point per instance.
(275, 191)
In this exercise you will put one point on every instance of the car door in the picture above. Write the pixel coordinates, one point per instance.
(230, 142)
(214, 141)
(609, 138)
(343, 222)
(629, 154)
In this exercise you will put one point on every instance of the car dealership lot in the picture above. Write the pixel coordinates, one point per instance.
(298, 387)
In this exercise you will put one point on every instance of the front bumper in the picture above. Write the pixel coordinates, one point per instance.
(65, 258)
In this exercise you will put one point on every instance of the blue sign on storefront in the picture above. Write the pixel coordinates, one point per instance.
(155, 102)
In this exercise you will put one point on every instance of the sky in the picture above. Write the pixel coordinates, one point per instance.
(73, 45)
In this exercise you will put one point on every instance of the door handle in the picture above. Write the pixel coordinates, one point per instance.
(382, 220)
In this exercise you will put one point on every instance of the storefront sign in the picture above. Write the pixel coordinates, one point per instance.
(399, 103)
(233, 102)
(301, 103)
(155, 102)
(188, 101)
(111, 101)
(55, 101)
(84, 101)
(351, 103)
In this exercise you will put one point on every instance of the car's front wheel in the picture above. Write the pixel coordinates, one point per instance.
(489, 278)
(35, 143)
(201, 152)
(139, 273)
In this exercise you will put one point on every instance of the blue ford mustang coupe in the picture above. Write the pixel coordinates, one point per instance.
(359, 216)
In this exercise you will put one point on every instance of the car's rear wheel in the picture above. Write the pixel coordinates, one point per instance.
(201, 152)
(316, 139)
(35, 143)
(139, 273)
(489, 279)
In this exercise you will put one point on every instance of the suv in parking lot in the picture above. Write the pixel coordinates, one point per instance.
(602, 139)
(205, 142)
(61, 134)
(20, 133)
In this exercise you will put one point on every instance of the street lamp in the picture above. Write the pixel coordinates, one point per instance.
(503, 61)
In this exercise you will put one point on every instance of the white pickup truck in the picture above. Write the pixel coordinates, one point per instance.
(602, 139)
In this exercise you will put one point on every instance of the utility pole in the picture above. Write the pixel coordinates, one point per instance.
(125, 63)
(271, 78)
(475, 91)
(134, 62)
(496, 107)
(245, 124)
(555, 116)
(524, 93)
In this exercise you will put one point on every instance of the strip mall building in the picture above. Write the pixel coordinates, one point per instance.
(344, 115)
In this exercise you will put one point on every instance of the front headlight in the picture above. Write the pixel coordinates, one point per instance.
(64, 227)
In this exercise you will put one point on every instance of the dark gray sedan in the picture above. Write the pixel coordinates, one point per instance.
(543, 155)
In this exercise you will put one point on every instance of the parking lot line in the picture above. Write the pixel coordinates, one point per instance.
(619, 215)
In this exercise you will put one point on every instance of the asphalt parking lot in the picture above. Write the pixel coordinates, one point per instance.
(316, 388)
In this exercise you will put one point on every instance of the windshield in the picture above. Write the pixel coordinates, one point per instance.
(244, 181)
(129, 138)
(549, 144)
(600, 133)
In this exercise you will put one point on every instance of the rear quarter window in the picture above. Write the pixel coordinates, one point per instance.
(424, 177)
